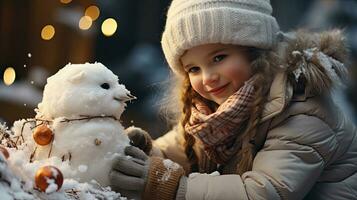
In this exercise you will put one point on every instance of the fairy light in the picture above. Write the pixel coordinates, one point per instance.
(48, 32)
(109, 26)
(85, 22)
(9, 76)
(92, 12)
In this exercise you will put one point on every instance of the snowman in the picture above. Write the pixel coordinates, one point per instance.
(77, 122)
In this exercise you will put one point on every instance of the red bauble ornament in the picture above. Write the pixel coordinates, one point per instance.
(4, 151)
(43, 135)
(45, 174)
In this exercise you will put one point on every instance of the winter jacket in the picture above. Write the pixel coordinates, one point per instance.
(308, 148)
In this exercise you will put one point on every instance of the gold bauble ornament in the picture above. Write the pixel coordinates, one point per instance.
(43, 135)
(46, 173)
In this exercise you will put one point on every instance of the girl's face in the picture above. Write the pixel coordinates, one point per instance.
(216, 71)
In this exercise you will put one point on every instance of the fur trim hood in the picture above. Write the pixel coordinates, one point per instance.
(315, 62)
(312, 63)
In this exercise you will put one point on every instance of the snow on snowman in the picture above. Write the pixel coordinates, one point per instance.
(76, 129)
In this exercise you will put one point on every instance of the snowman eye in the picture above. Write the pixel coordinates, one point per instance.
(105, 86)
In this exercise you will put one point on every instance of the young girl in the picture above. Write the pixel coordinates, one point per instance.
(257, 117)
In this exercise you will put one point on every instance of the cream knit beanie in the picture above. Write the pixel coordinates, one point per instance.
(192, 23)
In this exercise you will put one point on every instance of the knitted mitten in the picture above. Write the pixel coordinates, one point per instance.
(163, 179)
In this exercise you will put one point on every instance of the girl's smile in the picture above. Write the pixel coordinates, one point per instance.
(218, 90)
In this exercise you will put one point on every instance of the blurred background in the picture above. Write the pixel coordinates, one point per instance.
(38, 37)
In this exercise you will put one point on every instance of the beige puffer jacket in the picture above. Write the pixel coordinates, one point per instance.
(310, 150)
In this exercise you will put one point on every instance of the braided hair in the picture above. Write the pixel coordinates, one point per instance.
(264, 65)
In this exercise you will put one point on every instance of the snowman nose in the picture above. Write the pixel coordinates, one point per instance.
(125, 98)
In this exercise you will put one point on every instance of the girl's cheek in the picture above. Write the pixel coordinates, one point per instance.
(239, 71)
(196, 85)
(233, 71)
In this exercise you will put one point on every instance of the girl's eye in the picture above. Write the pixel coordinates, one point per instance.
(218, 58)
(193, 70)
(105, 86)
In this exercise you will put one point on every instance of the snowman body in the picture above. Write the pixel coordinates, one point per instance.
(83, 104)
(88, 146)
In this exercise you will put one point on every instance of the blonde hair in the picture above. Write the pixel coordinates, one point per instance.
(264, 64)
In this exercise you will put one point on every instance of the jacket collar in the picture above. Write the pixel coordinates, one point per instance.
(280, 93)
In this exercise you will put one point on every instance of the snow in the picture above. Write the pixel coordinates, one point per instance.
(300, 70)
(170, 167)
(76, 85)
(4, 194)
(82, 168)
(215, 173)
(327, 62)
(4, 129)
(195, 174)
(80, 113)
(10, 185)
(52, 187)
(297, 73)
(54, 172)
(169, 164)
(296, 53)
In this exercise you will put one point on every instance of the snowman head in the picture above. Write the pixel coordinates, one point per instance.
(83, 89)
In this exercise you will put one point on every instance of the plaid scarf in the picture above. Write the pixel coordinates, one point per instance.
(220, 131)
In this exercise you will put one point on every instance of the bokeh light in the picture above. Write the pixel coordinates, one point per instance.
(48, 32)
(92, 12)
(85, 22)
(109, 26)
(65, 1)
(9, 76)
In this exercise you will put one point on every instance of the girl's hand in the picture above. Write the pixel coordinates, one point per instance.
(139, 138)
(129, 174)
(150, 177)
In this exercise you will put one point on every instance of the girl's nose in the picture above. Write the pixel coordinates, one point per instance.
(209, 77)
